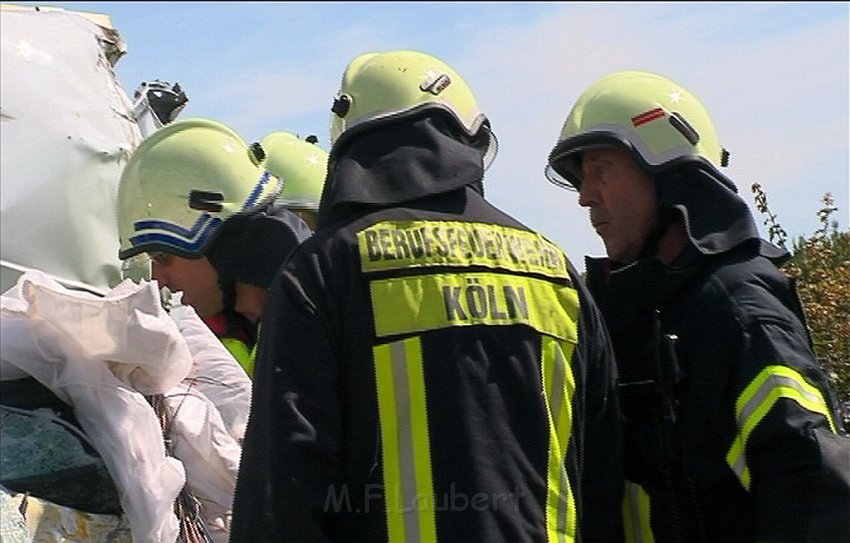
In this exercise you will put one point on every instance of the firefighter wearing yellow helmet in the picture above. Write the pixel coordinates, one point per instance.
(728, 413)
(196, 200)
(660, 122)
(450, 379)
(301, 165)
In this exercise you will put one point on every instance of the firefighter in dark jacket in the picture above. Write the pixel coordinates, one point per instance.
(430, 369)
(732, 432)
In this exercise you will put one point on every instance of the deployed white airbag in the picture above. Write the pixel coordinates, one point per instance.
(102, 355)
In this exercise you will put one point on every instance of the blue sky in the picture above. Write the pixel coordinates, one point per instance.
(773, 75)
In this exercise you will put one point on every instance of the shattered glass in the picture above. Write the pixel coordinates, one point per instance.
(44, 456)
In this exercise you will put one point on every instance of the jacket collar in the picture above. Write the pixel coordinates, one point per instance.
(397, 163)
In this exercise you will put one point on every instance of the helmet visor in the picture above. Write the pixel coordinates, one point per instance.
(564, 167)
(559, 180)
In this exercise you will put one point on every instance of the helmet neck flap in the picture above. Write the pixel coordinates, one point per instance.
(399, 163)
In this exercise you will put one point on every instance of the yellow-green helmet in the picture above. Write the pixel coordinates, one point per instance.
(301, 167)
(659, 121)
(182, 182)
(384, 87)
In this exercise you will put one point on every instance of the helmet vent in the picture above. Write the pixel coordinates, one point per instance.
(724, 157)
(342, 104)
(257, 152)
(435, 83)
(203, 200)
(684, 128)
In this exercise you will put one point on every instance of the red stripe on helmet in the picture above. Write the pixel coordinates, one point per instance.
(647, 116)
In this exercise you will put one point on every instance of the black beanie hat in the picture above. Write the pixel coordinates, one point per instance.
(251, 246)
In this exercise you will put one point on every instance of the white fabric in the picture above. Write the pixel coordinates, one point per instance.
(128, 328)
(210, 409)
(216, 373)
(208, 452)
(56, 336)
(99, 354)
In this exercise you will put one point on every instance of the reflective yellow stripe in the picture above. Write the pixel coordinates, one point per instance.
(558, 389)
(408, 486)
(636, 514)
(252, 359)
(773, 383)
(241, 353)
(430, 302)
(393, 245)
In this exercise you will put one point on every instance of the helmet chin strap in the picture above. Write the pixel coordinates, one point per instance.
(236, 322)
(228, 290)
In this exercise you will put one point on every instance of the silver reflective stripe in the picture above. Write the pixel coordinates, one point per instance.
(772, 383)
(407, 467)
(558, 389)
(557, 399)
(406, 452)
(636, 518)
(758, 398)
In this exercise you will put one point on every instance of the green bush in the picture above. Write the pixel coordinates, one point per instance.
(820, 265)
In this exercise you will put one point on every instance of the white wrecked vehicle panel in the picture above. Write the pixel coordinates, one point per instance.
(66, 134)
(148, 405)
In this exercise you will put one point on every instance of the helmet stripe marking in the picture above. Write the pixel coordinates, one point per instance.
(174, 234)
(202, 223)
(258, 189)
(165, 239)
(647, 116)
